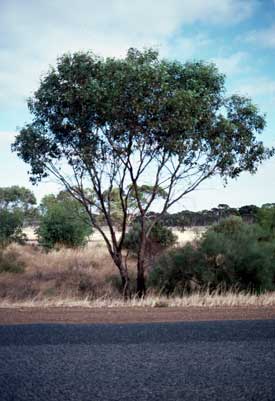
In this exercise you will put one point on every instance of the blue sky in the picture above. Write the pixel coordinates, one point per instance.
(238, 35)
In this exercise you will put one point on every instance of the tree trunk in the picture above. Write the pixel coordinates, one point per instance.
(141, 287)
(125, 281)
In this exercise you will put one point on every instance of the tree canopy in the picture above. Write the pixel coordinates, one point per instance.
(16, 204)
(16, 197)
(140, 120)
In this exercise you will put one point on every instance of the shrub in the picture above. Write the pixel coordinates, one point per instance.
(63, 223)
(266, 219)
(230, 254)
(180, 269)
(11, 223)
(160, 237)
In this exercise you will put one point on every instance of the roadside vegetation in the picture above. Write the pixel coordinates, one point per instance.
(231, 254)
(231, 264)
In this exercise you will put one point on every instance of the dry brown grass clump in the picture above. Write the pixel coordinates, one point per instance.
(66, 273)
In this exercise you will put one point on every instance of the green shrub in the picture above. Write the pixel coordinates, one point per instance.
(160, 237)
(63, 223)
(266, 219)
(230, 254)
(11, 223)
(178, 270)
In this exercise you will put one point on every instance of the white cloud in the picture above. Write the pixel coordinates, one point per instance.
(233, 64)
(258, 87)
(262, 91)
(264, 37)
(34, 33)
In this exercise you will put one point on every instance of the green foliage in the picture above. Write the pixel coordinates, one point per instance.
(16, 198)
(178, 270)
(187, 218)
(113, 199)
(63, 222)
(230, 227)
(231, 254)
(160, 238)
(266, 219)
(16, 204)
(11, 224)
(87, 109)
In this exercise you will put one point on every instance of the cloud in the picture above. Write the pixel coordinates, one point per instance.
(258, 87)
(263, 38)
(262, 91)
(233, 64)
(34, 33)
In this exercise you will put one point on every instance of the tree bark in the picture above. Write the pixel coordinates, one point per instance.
(141, 285)
(124, 275)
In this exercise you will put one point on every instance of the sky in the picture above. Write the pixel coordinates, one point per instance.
(237, 35)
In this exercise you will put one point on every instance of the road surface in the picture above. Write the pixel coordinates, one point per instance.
(226, 360)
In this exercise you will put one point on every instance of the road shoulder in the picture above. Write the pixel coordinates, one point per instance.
(31, 315)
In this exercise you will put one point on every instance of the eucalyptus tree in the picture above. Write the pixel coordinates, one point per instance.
(105, 123)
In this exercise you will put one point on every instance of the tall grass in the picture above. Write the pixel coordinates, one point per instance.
(88, 278)
(66, 273)
(228, 299)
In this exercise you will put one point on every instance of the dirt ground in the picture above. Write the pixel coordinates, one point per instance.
(28, 315)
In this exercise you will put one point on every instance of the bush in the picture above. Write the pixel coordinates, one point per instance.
(179, 270)
(160, 238)
(63, 223)
(11, 223)
(230, 254)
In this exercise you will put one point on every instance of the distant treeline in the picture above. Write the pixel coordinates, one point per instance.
(187, 218)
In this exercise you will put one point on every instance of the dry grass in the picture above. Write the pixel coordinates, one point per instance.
(66, 273)
(201, 299)
(89, 278)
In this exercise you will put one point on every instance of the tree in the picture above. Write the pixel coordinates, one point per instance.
(17, 198)
(136, 121)
(16, 204)
(63, 222)
(249, 213)
(266, 219)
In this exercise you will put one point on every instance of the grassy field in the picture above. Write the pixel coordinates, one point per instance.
(89, 278)
(83, 275)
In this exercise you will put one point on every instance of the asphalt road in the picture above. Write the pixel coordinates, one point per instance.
(228, 360)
